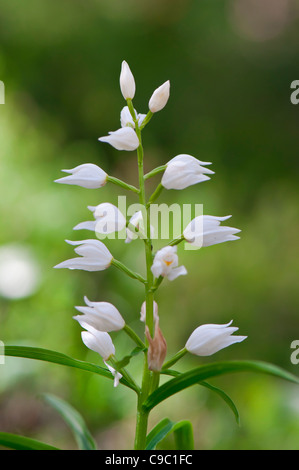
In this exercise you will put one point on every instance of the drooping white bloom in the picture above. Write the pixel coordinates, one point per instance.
(127, 81)
(183, 171)
(137, 221)
(127, 120)
(108, 219)
(94, 256)
(143, 312)
(124, 138)
(98, 341)
(166, 262)
(159, 98)
(205, 230)
(102, 316)
(87, 175)
(117, 375)
(209, 339)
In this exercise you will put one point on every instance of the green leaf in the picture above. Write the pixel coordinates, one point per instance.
(183, 434)
(158, 433)
(212, 370)
(62, 359)
(217, 390)
(225, 397)
(13, 441)
(126, 360)
(74, 420)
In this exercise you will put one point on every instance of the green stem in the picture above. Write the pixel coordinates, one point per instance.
(146, 120)
(134, 336)
(154, 172)
(122, 184)
(176, 241)
(124, 373)
(142, 416)
(174, 359)
(155, 194)
(128, 271)
(155, 382)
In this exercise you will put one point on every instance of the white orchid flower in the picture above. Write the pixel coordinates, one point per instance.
(209, 339)
(137, 221)
(94, 256)
(102, 316)
(126, 118)
(87, 175)
(183, 171)
(98, 341)
(205, 230)
(108, 219)
(166, 262)
(124, 138)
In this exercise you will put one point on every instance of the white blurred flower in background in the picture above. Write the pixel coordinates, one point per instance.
(19, 271)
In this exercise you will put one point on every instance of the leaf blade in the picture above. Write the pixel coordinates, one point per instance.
(16, 442)
(158, 433)
(212, 370)
(183, 435)
(217, 390)
(55, 357)
(74, 420)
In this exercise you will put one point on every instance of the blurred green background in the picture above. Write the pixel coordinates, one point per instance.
(230, 63)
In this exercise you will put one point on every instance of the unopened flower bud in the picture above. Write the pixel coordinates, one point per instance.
(159, 98)
(127, 81)
(157, 348)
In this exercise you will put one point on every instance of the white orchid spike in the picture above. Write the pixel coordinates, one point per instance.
(205, 230)
(127, 81)
(102, 316)
(94, 256)
(209, 339)
(159, 98)
(183, 171)
(87, 175)
(166, 262)
(124, 138)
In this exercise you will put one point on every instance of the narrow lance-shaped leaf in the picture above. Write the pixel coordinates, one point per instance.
(13, 441)
(212, 370)
(62, 359)
(214, 389)
(74, 421)
(158, 433)
(183, 434)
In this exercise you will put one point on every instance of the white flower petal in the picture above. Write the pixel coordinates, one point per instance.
(124, 138)
(98, 341)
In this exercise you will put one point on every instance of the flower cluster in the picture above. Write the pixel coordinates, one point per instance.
(98, 319)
